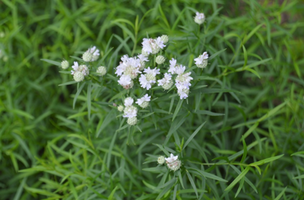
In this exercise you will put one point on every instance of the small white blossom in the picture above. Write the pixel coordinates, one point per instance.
(202, 60)
(166, 82)
(174, 165)
(78, 76)
(148, 79)
(171, 158)
(130, 111)
(144, 101)
(142, 59)
(129, 66)
(91, 55)
(199, 18)
(152, 46)
(132, 121)
(64, 64)
(80, 68)
(128, 101)
(172, 66)
(161, 160)
(160, 59)
(125, 81)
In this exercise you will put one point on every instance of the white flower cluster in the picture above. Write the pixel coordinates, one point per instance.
(79, 71)
(91, 55)
(182, 80)
(173, 163)
(199, 18)
(153, 46)
(202, 60)
(130, 111)
(129, 68)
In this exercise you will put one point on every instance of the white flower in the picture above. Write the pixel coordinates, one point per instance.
(80, 68)
(144, 101)
(142, 59)
(166, 82)
(161, 160)
(172, 158)
(164, 38)
(101, 71)
(148, 79)
(91, 55)
(152, 46)
(78, 76)
(202, 60)
(128, 101)
(130, 111)
(199, 18)
(183, 93)
(132, 121)
(64, 64)
(125, 81)
(129, 66)
(172, 66)
(120, 108)
(174, 165)
(160, 59)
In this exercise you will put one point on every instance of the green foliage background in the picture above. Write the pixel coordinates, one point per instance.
(252, 103)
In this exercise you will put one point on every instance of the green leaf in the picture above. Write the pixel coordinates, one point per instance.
(237, 179)
(52, 62)
(192, 183)
(193, 134)
(267, 160)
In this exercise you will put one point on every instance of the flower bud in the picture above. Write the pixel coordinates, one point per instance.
(175, 165)
(160, 59)
(164, 38)
(120, 108)
(101, 71)
(132, 121)
(64, 64)
(161, 160)
(78, 76)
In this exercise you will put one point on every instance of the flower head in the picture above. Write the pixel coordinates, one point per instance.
(101, 71)
(78, 76)
(149, 78)
(91, 54)
(164, 38)
(160, 59)
(171, 158)
(128, 101)
(202, 60)
(64, 64)
(132, 121)
(144, 101)
(161, 160)
(152, 46)
(166, 82)
(130, 111)
(199, 18)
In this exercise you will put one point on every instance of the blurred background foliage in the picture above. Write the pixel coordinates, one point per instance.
(49, 151)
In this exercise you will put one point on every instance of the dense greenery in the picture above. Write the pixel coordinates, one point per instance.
(240, 134)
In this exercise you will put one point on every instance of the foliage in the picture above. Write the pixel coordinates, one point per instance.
(238, 135)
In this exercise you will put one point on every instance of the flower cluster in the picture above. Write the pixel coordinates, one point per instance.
(130, 111)
(173, 163)
(79, 71)
(129, 68)
(153, 46)
(91, 55)
(202, 60)
(199, 18)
